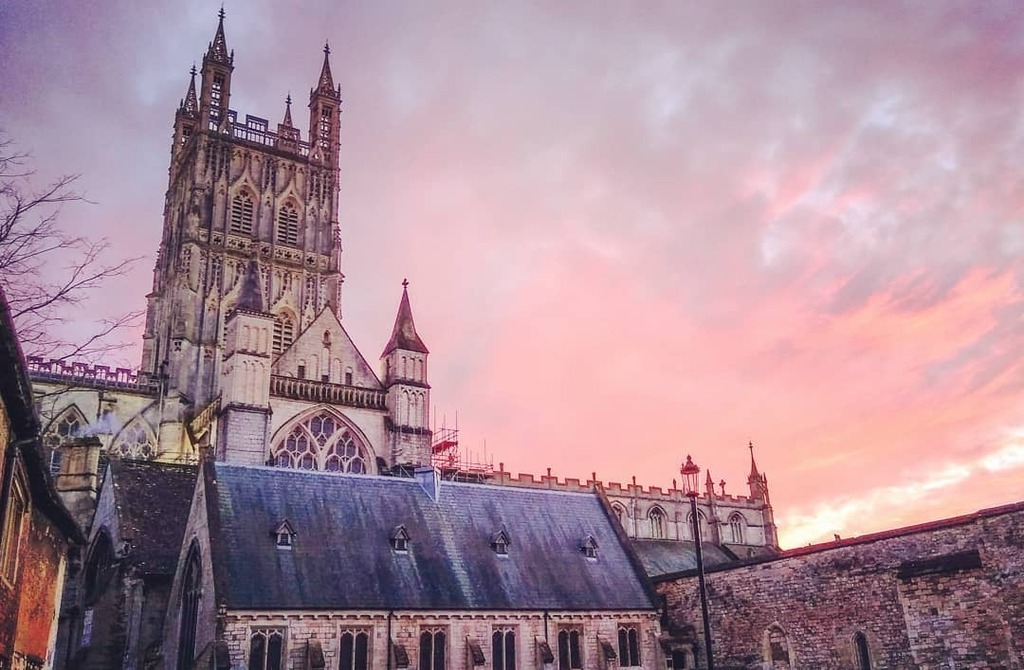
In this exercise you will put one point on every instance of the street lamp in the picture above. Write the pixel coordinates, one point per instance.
(690, 473)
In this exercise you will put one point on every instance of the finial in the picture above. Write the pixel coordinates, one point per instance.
(220, 14)
(327, 48)
(750, 444)
(288, 99)
(405, 283)
(193, 70)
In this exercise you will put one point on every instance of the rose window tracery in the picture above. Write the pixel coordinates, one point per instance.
(322, 442)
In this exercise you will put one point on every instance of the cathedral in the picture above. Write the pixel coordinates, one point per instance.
(258, 494)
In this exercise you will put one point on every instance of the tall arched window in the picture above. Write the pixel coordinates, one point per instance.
(702, 523)
(241, 214)
(503, 649)
(629, 646)
(288, 225)
(266, 649)
(737, 526)
(433, 650)
(66, 426)
(284, 333)
(657, 519)
(191, 591)
(322, 442)
(354, 650)
(135, 441)
(860, 647)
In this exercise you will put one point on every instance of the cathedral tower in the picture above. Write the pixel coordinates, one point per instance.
(239, 191)
(408, 393)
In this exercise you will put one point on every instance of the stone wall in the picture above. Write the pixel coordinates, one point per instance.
(326, 629)
(940, 595)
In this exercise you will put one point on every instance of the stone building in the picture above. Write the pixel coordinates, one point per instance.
(247, 366)
(37, 534)
(946, 594)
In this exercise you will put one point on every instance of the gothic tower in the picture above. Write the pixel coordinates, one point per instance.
(239, 191)
(408, 393)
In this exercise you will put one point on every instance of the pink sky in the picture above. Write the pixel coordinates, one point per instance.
(632, 231)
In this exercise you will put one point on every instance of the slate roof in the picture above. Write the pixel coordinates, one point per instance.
(403, 335)
(153, 501)
(342, 558)
(662, 557)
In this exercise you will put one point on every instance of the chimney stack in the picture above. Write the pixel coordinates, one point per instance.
(78, 479)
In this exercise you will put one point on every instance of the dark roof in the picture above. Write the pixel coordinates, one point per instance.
(403, 335)
(662, 557)
(342, 557)
(16, 392)
(153, 501)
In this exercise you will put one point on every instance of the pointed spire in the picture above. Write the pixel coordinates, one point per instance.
(755, 476)
(190, 105)
(709, 484)
(288, 112)
(250, 297)
(403, 335)
(326, 83)
(218, 50)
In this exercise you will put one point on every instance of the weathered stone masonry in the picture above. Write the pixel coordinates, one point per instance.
(938, 595)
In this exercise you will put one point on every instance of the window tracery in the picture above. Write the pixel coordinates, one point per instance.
(322, 442)
(63, 428)
(135, 441)
(288, 225)
(657, 519)
(241, 214)
(736, 527)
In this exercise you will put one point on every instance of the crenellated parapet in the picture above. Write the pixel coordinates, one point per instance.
(78, 373)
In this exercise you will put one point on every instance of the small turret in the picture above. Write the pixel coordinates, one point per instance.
(758, 483)
(405, 378)
(324, 113)
(245, 376)
(186, 118)
(218, 63)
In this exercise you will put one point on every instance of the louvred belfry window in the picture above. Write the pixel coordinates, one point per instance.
(241, 214)
(288, 225)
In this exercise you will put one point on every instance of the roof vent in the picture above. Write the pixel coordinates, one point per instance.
(589, 547)
(400, 539)
(284, 534)
(501, 542)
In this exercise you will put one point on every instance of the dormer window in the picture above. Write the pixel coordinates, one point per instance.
(589, 547)
(284, 535)
(400, 540)
(501, 542)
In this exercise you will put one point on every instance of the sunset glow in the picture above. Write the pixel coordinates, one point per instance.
(631, 232)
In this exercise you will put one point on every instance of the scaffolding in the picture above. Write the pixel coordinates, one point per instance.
(446, 456)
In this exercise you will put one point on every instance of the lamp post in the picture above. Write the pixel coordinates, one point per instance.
(690, 473)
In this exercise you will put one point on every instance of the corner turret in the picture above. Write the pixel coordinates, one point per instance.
(405, 379)
(218, 63)
(324, 116)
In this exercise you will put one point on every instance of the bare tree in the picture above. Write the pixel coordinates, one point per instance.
(47, 271)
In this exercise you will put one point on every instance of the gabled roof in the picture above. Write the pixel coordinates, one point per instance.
(342, 346)
(153, 501)
(342, 557)
(403, 335)
(662, 557)
(250, 295)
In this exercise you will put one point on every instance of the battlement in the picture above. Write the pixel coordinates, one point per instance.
(79, 373)
(501, 477)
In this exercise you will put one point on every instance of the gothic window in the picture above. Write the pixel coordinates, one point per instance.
(322, 442)
(860, 646)
(62, 429)
(348, 376)
(191, 591)
(432, 649)
(701, 523)
(629, 646)
(241, 214)
(288, 225)
(657, 518)
(216, 92)
(503, 649)
(736, 528)
(620, 514)
(136, 441)
(10, 541)
(354, 650)
(569, 653)
(284, 333)
(776, 648)
(266, 649)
